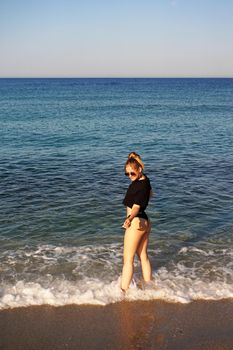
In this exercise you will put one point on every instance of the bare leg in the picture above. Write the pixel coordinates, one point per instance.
(133, 237)
(143, 256)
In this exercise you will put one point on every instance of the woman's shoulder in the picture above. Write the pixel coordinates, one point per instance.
(146, 179)
(145, 182)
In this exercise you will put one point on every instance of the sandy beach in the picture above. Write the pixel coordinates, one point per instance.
(200, 325)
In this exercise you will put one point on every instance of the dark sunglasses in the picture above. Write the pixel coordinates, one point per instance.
(130, 174)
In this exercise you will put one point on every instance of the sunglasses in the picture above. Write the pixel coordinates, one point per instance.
(130, 174)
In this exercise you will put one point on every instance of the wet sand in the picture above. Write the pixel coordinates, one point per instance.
(145, 325)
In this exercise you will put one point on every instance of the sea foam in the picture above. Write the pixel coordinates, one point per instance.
(62, 275)
(165, 286)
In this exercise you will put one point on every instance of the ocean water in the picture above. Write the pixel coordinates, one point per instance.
(63, 144)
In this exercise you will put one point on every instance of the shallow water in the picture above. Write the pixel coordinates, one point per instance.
(63, 147)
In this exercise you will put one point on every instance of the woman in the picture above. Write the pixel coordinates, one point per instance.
(137, 224)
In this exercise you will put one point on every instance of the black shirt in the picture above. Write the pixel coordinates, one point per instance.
(138, 193)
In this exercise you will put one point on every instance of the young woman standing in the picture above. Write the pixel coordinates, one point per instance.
(137, 224)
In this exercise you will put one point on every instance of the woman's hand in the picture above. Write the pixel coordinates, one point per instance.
(127, 223)
(131, 216)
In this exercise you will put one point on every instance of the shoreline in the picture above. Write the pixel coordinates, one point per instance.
(154, 324)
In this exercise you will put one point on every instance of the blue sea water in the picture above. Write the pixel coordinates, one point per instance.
(63, 144)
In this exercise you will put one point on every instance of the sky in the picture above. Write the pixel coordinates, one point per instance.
(116, 38)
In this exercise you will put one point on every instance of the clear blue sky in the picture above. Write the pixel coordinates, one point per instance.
(116, 38)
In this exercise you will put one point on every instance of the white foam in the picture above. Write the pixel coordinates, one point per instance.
(209, 252)
(166, 286)
(186, 250)
(60, 293)
(63, 275)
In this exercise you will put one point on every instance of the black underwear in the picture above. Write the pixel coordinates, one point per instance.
(142, 215)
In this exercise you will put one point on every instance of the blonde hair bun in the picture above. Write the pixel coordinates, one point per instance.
(138, 159)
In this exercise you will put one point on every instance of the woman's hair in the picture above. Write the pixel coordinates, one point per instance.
(135, 161)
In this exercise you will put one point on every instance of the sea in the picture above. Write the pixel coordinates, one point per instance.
(63, 146)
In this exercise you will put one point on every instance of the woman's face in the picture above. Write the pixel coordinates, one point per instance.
(132, 172)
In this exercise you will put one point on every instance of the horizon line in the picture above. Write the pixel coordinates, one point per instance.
(118, 77)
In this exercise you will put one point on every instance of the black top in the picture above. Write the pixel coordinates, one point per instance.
(138, 193)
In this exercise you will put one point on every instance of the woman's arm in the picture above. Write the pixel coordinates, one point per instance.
(134, 212)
